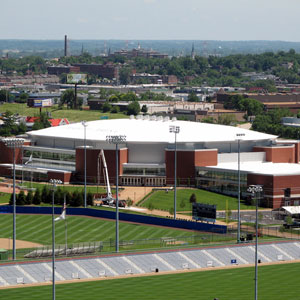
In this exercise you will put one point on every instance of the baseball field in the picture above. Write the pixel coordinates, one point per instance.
(38, 228)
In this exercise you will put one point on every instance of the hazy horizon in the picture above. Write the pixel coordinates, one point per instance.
(211, 20)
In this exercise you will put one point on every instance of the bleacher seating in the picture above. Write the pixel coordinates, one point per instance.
(109, 266)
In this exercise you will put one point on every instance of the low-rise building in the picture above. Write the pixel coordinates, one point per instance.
(207, 157)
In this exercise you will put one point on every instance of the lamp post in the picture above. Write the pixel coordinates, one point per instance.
(54, 183)
(255, 191)
(238, 136)
(175, 130)
(84, 124)
(117, 139)
(14, 143)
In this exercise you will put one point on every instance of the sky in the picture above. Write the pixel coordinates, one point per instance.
(151, 19)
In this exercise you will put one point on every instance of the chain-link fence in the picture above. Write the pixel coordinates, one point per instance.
(203, 239)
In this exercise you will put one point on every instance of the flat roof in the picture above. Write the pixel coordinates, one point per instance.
(150, 131)
(261, 167)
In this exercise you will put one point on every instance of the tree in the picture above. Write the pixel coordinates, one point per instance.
(29, 198)
(252, 106)
(192, 97)
(89, 199)
(46, 195)
(133, 108)
(68, 198)
(23, 97)
(68, 98)
(130, 96)
(227, 119)
(106, 107)
(41, 122)
(193, 198)
(11, 199)
(4, 96)
(171, 211)
(9, 126)
(115, 109)
(289, 220)
(125, 75)
(144, 109)
(129, 202)
(21, 198)
(77, 199)
(37, 197)
(59, 196)
(208, 120)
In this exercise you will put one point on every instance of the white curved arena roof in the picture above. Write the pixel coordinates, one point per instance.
(150, 131)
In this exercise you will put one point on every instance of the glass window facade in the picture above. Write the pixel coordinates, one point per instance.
(222, 181)
(50, 160)
(144, 171)
(49, 155)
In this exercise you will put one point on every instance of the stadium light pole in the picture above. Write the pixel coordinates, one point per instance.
(117, 139)
(255, 191)
(14, 143)
(54, 183)
(84, 124)
(175, 130)
(238, 138)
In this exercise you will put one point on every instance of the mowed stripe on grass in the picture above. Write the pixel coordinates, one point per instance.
(37, 228)
(276, 282)
(164, 201)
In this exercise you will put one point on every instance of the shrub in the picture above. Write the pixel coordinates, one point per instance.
(21, 199)
(37, 197)
(29, 198)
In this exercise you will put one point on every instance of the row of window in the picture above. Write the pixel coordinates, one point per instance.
(144, 171)
(221, 175)
(221, 187)
(49, 155)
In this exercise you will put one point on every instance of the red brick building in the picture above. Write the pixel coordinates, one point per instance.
(207, 157)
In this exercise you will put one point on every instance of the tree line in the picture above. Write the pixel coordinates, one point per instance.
(265, 121)
(45, 195)
(212, 70)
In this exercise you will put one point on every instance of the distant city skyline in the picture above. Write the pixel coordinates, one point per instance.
(151, 19)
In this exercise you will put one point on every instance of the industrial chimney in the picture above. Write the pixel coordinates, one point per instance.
(66, 46)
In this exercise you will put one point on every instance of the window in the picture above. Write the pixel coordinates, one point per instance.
(287, 192)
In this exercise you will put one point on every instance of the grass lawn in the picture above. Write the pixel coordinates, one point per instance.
(277, 282)
(162, 200)
(71, 114)
(4, 197)
(37, 228)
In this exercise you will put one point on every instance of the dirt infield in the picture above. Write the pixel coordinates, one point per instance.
(7, 244)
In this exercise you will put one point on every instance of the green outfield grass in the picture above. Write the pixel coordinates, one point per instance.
(37, 228)
(71, 114)
(164, 201)
(277, 282)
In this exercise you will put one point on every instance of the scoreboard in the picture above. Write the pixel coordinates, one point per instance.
(204, 212)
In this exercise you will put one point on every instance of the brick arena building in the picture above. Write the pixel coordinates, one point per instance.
(207, 157)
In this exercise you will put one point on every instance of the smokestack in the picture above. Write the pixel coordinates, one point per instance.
(66, 46)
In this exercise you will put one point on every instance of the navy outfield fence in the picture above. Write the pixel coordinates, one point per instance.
(149, 220)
